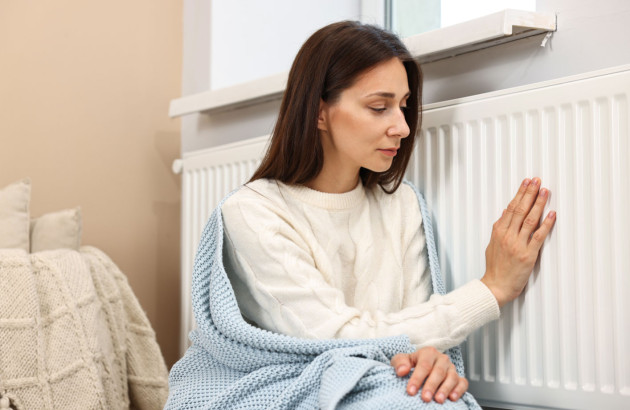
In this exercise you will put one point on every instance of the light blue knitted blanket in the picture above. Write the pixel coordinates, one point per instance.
(233, 365)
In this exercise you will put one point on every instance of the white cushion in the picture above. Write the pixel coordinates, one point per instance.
(14, 215)
(57, 230)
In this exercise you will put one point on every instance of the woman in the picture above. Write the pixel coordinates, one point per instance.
(325, 242)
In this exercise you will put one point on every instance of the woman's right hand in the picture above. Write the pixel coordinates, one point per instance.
(433, 371)
(515, 242)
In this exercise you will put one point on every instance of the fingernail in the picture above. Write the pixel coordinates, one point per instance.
(551, 215)
(454, 396)
(543, 192)
(413, 390)
(427, 396)
(526, 182)
(440, 397)
(536, 181)
(399, 369)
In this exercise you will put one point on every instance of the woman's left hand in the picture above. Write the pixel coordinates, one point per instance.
(435, 370)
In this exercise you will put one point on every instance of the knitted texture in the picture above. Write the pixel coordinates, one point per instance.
(233, 365)
(73, 335)
(454, 353)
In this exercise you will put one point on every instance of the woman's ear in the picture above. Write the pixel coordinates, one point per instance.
(322, 116)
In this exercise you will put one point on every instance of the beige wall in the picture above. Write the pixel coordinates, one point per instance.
(84, 94)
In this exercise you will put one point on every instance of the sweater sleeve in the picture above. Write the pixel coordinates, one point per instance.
(279, 287)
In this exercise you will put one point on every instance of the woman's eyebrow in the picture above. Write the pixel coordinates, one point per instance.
(385, 94)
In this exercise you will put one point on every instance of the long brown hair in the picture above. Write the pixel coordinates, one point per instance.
(329, 62)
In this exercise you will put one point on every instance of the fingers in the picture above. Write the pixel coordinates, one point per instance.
(433, 371)
(541, 233)
(533, 217)
(506, 218)
(441, 381)
(504, 222)
(459, 390)
(425, 362)
(522, 208)
(401, 364)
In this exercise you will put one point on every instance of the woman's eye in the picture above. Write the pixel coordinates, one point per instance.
(378, 109)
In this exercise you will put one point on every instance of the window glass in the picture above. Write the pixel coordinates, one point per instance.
(409, 17)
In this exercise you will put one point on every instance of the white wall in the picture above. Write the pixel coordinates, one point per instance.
(227, 42)
(591, 35)
(251, 39)
(84, 93)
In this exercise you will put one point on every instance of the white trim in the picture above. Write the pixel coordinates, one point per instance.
(221, 149)
(199, 157)
(527, 87)
(483, 32)
(487, 31)
(225, 99)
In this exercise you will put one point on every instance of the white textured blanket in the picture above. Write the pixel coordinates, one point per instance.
(73, 335)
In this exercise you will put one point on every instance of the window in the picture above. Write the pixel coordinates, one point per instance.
(409, 17)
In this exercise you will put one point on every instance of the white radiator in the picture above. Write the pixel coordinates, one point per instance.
(565, 343)
(208, 176)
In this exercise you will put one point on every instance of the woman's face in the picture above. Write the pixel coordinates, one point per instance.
(365, 126)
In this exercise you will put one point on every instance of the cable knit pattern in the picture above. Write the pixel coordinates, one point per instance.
(342, 266)
(73, 335)
(233, 365)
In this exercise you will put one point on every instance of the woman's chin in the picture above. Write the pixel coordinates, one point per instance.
(382, 167)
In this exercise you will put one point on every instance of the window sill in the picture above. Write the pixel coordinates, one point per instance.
(484, 32)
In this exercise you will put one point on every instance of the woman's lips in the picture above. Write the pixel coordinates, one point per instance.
(391, 152)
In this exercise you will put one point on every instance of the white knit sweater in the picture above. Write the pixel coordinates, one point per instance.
(351, 265)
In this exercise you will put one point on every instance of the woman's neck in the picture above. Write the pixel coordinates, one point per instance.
(333, 183)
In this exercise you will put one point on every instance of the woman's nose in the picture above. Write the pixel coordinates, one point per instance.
(399, 127)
